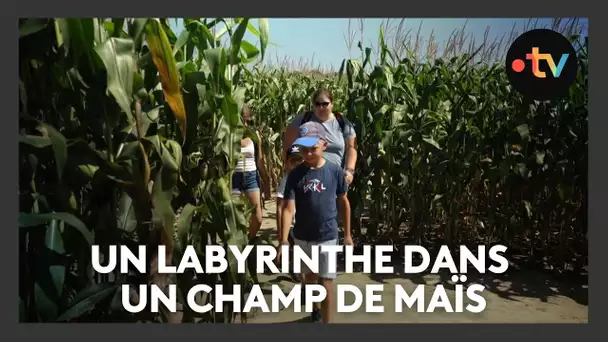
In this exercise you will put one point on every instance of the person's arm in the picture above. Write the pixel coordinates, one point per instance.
(344, 204)
(345, 211)
(279, 215)
(350, 153)
(289, 207)
(261, 164)
(279, 208)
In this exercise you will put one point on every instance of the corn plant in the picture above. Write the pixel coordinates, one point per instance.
(121, 124)
(129, 135)
(446, 148)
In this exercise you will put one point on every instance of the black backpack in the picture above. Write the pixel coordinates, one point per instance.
(341, 119)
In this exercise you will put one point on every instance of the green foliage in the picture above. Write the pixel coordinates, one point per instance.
(129, 135)
(448, 149)
(122, 124)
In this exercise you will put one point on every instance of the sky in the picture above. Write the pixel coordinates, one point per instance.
(320, 43)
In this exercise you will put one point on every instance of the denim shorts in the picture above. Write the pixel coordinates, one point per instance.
(243, 182)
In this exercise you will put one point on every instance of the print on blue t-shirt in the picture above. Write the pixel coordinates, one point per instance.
(314, 191)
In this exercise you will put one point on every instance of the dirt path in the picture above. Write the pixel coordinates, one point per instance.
(519, 298)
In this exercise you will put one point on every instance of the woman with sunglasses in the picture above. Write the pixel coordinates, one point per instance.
(245, 179)
(341, 137)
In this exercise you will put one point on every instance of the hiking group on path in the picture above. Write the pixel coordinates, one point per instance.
(319, 158)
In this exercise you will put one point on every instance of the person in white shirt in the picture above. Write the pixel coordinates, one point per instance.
(245, 180)
(293, 160)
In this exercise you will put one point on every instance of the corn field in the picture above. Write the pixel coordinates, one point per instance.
(129, 133)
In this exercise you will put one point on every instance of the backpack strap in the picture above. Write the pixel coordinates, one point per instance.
(306, 117)
(255, 151)
(341, 119)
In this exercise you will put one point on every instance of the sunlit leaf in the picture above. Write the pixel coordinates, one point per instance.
(162, 55)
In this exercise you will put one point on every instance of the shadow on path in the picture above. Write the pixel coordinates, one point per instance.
(513, 283)
(516, 282)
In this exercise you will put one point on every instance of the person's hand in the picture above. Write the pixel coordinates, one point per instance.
(348, 176)
(348, 240)
(278, 259)
(266, 190)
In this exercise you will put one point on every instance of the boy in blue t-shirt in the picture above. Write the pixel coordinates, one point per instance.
(312, 188)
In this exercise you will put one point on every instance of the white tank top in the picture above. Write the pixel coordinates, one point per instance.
(247, 161)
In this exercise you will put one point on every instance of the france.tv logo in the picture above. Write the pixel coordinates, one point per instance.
(541, 64)
(536, 57)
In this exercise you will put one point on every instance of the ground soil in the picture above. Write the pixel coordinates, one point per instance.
(515, 297)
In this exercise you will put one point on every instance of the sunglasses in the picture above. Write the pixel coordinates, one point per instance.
(322, 104)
